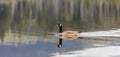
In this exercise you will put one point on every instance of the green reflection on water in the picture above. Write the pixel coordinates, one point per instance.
(36, 17)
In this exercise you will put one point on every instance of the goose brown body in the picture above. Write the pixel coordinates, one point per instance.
(69, 35)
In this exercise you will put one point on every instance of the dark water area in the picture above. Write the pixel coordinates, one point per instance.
(28, 27)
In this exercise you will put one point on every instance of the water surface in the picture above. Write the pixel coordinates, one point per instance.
(28, 27)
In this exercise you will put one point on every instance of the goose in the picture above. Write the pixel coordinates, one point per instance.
(68, 35)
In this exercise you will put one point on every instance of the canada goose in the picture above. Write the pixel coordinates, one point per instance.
(60, 39)
(69, 35)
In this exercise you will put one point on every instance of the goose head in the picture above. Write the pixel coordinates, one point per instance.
(60, 28)
(59, 25)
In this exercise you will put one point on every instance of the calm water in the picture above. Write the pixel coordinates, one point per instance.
(28, 27)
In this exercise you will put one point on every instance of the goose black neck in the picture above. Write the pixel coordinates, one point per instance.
(60, 29)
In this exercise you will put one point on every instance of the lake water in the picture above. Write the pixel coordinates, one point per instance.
(28, 28)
